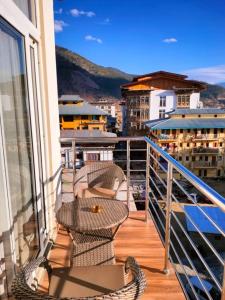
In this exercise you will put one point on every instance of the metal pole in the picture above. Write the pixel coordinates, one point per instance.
(147, 188)
(74, 161)
(223, 287)
(128, 173)
(168, 215)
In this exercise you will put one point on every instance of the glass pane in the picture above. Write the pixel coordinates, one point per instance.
(28, 8)
(14, 111)
(41, 207)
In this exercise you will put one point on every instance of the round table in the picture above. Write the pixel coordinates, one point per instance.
(78, 215)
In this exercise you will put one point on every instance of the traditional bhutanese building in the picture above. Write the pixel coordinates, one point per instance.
(195, 137)
(150, 96)
(75, 113)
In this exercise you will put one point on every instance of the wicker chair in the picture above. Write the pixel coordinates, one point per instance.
(92, 248)
(23, 288)
(102, 178)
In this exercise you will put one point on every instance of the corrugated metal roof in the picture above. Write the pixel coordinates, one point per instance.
(187, 123)
(84, 109)
(197, 111)
(86, 134)
(70, 98)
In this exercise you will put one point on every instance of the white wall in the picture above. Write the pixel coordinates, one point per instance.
(171, 100)
(155, 102)
(195, 100)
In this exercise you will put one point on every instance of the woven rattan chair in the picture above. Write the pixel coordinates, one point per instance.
(93, 248)
(102, 179)
(24, 289)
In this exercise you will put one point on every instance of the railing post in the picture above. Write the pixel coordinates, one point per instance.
(147, 188)
(74, 161)
(128, 173)
(168, 215)
(223, 286)
(67, 158)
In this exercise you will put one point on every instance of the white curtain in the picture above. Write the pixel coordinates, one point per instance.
(17, 139)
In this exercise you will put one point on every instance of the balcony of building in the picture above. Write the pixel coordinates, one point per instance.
(205, 164)
(206, 151)
(175, 227)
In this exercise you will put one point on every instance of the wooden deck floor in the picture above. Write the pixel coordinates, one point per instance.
(139, 239)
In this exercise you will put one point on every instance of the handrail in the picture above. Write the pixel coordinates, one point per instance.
(206, 190)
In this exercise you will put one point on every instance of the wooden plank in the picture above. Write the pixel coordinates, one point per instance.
(135, 238)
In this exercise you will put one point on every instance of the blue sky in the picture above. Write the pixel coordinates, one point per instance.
(141, 36)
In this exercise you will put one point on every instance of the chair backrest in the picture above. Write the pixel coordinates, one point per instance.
(101, 174)
(22, 288)
(106, 177)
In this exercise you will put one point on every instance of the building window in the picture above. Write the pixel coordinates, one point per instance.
(180, 158)
(193, 158)
(84, 117)
(221, 144)
(18, 146)
(95, 118)
(162, 113)
(218, 173)
(206, 158)
(215, 116)
(199, 116)
(181, 144)
(68, 118)
(183, 116)
(187, 158)
(162, 101)
(28, 8)
(183, 101)
(188, 145)
(221, 130)
(205, 173)
(181, 130)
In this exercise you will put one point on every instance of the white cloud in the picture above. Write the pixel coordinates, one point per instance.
(92, 38)
(106, 21)
(59, 11)
(212, 75)
(170, 40)
(77, 13)
(59, 25)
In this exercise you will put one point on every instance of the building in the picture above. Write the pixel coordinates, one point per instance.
(114, 109)
(70, 99)
(79, 115)
(150, 96)
(94, 150)
(30, 161)
(195, 137)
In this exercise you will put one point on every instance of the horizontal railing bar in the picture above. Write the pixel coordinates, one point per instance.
(158, 190)
(197, 252)
(160, 179)
(215, 197)
(199, 207)
(190, 261)
(186, 275)
(100, 140)
(201, 234)
(157, 162)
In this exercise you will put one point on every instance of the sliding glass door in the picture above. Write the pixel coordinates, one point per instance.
(17, 146)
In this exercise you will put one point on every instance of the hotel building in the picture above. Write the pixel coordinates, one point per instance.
(150, 96)
(194, 137)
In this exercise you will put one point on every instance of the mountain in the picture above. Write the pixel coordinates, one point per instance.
(221, 84)
(77, 75)
(213, 96)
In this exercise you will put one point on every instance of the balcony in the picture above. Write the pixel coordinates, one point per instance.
(207, 151)
(176, 236)
(204, 164)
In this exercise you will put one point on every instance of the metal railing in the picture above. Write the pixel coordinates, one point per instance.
(189, 215)
(127, 152)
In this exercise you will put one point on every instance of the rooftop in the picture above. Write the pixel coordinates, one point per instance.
(186, 123)
(84, 109)
(71, 98)
(86, 134)
(197, 111)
